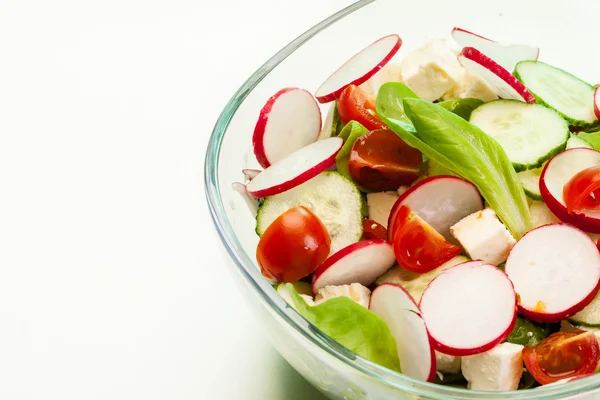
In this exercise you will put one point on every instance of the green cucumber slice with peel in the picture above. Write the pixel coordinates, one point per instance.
(529, 133)
(571, 97)
(334, 198)
(530, 179)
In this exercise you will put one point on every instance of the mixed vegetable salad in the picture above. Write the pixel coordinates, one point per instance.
(443, 221)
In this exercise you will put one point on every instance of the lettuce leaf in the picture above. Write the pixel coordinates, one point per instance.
(593, 138)
(461, 107)
(352, 326)
(527, 333)
(460, 147)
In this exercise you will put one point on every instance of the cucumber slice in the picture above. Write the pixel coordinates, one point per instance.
(414, 283)
(571, 97)
(589, 316)
(529, 133)
(575, 142)
(334, 198)
(530, 179)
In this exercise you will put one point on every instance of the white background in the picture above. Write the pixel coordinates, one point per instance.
(111, 277)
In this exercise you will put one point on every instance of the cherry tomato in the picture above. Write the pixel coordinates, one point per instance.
(380, 160)
(293, 246)
(373, 230)
(417, 246)
(354, 104)
(582, 192)
(562, 355)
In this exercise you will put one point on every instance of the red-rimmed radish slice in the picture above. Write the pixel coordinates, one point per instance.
(361, 262)
(556, 272)
(251, 173)
(290, 120)
(441, 201)
(555, 175)
(250, 201)
(359, 68)
(296, 168)
(469, 309)
(415, 349)
(597, 102)
(504, 83)
(506, 55)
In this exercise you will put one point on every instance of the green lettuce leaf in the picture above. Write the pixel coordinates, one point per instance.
(527, 333)
(458, 146)
(461, 107)
(336, 123)
(352, 326)
(593, 138)
(351, 131)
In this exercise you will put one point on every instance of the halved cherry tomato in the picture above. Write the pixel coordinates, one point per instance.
(582, 192)
(373, 230)
(380, 160)
(417, 245)
(293, 246)
(562, 355)
(354, 104)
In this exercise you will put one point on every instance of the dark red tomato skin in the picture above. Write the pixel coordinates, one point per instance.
(562, 355)
(354, 104)
(293, 246)
(418, 247)
(582, 191)
(380, 160)
(373, 230)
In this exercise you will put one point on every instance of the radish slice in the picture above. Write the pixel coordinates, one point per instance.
(290, 120)
(415, 349)
(556, 272)
(508, 56)
(506, 85)
(597, 102)
(469, 309)
(555, 175)
(359, 68)
(296, 168)
(250, 201)
(361, 262)
(441, 201)
(251, 173)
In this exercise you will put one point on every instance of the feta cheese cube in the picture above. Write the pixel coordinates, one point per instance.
(497, 369)
(391, 72)
(354, 291)
(484, 237)
(380, 204)
(471, 86)
(447, 364)
(541, 214)
(431, 70)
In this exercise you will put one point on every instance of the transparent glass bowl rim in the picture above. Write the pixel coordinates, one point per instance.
(270, 297)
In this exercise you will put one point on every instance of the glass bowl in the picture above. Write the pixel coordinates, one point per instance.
(564, 31)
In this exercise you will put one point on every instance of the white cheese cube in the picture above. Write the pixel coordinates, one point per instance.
(541, 214)
(354, 291)
(431, 70)
(391, 72)
(497, 369)
(484, 237)
(471, 86)
(447, 364)
(380, 204)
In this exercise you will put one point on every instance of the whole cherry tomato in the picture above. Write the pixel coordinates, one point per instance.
(417, 246)
(562, 355)
(293, 246)
(354, 104)
(380, 160)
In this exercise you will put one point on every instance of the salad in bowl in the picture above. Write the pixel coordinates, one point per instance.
(442, 219)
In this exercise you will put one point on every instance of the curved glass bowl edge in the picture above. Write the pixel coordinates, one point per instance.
(245, 265)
